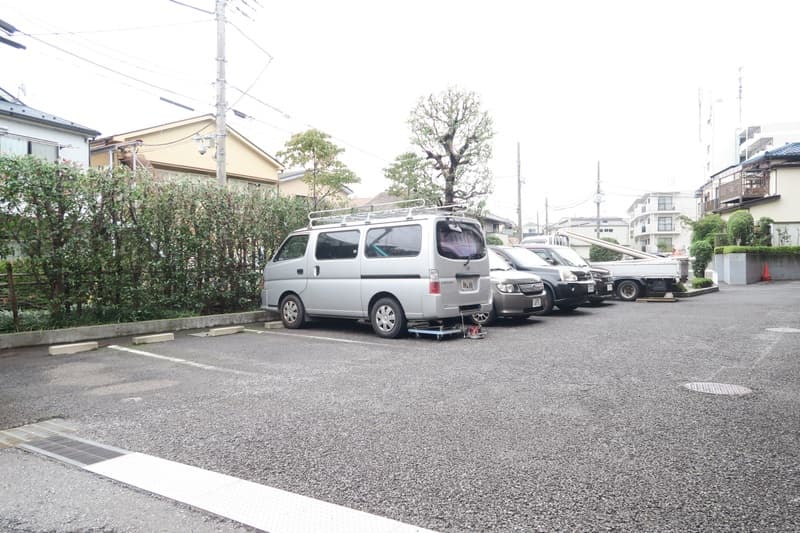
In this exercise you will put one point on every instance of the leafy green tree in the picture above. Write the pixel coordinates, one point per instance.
(598, 253)
(455, 134)
(325, 175)
(410, 179)
(706, 228)
(740, 227)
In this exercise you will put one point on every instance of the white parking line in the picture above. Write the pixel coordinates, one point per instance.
(181, 361)
(334, 339)
(249, 503)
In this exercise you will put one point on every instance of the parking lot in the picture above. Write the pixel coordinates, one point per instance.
(574, 421)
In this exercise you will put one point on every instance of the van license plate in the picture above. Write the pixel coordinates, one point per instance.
(610, 287)
(468, 284)
(536, 302)
(591, 287)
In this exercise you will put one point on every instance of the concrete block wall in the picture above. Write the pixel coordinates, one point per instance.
(744, 269)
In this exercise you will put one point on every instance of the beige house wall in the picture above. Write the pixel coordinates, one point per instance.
(173, 151)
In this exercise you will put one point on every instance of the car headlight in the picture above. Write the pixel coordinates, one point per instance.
(568, 275)
(506, 287)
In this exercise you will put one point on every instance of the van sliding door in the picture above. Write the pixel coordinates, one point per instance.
(334, 277)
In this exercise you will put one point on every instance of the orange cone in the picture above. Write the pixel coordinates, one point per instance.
(765, 273)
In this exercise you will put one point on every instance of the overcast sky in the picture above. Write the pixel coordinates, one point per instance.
(573, 82)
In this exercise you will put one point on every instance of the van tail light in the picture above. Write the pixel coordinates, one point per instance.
(435, 287)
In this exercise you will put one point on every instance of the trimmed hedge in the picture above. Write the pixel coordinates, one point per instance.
(763, 250)
(108, 246)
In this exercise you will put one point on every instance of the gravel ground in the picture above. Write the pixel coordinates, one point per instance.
(574, 421)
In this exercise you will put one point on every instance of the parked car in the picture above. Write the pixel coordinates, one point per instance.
(390, 266)
(566, 256)
(515, 293)
(565, 287)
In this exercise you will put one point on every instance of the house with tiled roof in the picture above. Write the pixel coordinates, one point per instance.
(767, 185)
(25, 130)
(185, 150)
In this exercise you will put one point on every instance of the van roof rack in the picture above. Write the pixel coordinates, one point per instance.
(366, 213)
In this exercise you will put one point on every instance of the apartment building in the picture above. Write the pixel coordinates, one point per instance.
(655, 222)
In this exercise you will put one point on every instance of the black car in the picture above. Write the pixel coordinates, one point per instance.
(565, 287)
(566, 256)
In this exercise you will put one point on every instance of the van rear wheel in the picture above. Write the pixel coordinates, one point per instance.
(387, 318)
(293, 313)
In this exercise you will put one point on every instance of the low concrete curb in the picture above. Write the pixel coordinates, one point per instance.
(66, 349)
(696, 292)
(230, 330)
(152, 339)
(110, 331)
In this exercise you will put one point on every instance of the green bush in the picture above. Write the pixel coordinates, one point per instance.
(763, 232)
(740, 228)
(679, 287)
(598, 253)
(702, 252)
(699, 283)
(494, 240)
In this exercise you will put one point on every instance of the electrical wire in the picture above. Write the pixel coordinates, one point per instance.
(116, 30)
(96, 64)
(192, 7)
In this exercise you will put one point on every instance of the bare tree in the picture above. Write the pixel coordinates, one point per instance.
(455, 135)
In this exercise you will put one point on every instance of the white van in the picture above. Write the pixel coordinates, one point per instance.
(392, 264)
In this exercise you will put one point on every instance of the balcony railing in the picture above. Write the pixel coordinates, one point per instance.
(744, 188)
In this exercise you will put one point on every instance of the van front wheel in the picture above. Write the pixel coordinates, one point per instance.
(293, 314)
(387, 318)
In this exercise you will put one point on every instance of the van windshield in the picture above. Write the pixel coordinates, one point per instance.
(459, 240)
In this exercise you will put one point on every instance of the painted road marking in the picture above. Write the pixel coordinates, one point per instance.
(334, 339)
(181, 361)
(249, 503)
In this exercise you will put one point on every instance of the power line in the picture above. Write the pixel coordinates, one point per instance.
(192, 7)
(117, 30)
(160, 88)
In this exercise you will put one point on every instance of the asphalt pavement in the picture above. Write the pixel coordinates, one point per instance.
(575, 421)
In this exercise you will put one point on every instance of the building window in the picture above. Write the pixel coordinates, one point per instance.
(665, 203)
(664, 223)
(664, 244)
(20, 146)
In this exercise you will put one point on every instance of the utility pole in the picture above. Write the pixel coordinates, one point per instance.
(597, 198)
(546, 217)
(221, 103)
(519, 198)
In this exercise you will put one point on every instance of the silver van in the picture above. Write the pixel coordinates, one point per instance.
(391, 265)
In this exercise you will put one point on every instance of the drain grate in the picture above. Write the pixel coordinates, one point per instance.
(718, 388)
(31, 432)
(72, 450)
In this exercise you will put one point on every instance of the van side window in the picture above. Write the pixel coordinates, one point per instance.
(459, 240)
(293, 248)
(397, 241)
(337, 245)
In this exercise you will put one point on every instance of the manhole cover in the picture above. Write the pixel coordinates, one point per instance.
(784, 330)
(718, 388)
